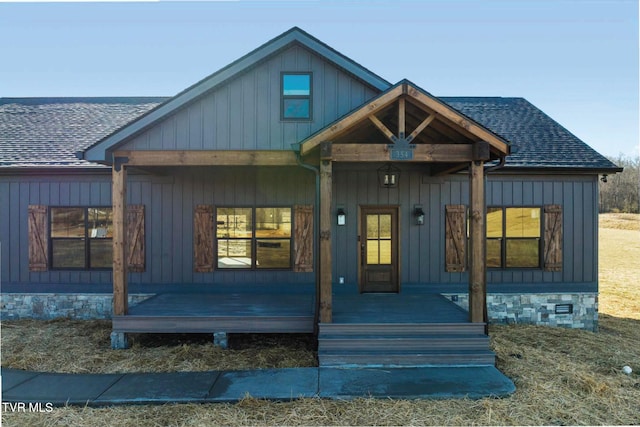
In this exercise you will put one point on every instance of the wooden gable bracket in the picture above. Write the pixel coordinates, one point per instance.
(402, 139)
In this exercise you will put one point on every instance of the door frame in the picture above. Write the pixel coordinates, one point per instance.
(395, 243)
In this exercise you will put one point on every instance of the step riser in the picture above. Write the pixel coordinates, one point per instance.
(406, 360)
(398, 329)
(401, 346)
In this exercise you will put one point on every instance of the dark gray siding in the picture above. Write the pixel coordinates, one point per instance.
(244, 113)
(422, 247)
(169, 202)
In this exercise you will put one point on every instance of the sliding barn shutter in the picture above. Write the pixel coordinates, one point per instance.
(135, 238)
(203, 239)
(303, 239)
(455, 238)
(553, 238)
(38, 238)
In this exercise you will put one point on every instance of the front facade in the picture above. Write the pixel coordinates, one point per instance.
(294, 171)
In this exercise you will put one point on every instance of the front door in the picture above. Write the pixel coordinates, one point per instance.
(379, 249)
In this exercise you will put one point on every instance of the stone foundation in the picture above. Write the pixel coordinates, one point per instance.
(52, 306)
(539, 309)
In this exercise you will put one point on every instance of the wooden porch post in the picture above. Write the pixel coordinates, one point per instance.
(119, 196)
(478, 270)
(326, 183)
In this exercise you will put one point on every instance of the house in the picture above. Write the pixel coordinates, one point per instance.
(295, 190)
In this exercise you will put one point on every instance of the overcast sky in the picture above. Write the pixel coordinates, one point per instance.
(577, 60)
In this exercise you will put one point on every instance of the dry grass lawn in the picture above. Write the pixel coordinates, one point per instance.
(563, 377)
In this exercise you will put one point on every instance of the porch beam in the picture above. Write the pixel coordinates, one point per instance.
(402, 118)
(208, 158)
(119, 196)
(477, 270)
(447, 153)
(345, 124)
(326, 184)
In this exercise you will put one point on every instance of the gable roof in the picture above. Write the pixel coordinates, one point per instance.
(438, 111)
(98, 151)
(47, 132)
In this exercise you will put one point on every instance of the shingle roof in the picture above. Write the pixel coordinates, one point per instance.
(47, 132)
(537, 141)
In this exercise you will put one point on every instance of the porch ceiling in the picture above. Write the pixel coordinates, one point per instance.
(406, 114)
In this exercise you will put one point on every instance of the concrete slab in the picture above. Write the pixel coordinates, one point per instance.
(60, 389)
(14, 377)
(414, 383)
(160, 388)
(275, 384)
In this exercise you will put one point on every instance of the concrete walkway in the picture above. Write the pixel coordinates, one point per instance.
(272, 384)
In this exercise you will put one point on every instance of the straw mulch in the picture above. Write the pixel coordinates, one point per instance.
(563, 377)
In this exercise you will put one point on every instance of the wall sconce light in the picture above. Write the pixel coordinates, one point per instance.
(419, 214)
(388, 175)
(604, 178)
(342, 216)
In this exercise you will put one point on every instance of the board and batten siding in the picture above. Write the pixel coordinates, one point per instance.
(422, 253)
(169, 204)
(244, 113)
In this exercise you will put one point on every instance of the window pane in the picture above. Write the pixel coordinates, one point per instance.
(372, 252)
(296, 108)
(372, 227)
(296, 84)
(523, 253)
(100, 223)
(494, 252)
(234, 222)
(385, 251)
(273, 253)
(385, 226)
(67, 253)
(273, 222)
(67, 222)
(234, 253)
(523, 222)
(101, 253)
(494, 222)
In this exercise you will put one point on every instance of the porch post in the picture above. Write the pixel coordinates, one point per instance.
(326, 183)
(478, 270)
(119, 195)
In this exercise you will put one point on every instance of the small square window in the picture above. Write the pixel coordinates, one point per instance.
(296, 96)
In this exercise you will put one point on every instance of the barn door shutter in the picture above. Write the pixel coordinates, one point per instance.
(455, 238)
(135, 238)
(38, 238)
(203, 239)
(303, 239)
(553, 238)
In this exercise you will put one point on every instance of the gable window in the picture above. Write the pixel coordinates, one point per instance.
(81, 237)
(296, 96)
(254, 238)
(513, 237)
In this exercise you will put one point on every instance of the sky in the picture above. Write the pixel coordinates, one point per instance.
(577, 60)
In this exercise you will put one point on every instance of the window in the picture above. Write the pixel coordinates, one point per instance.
(81, 238)
(296, 96)
(513, 237)
(254, 238)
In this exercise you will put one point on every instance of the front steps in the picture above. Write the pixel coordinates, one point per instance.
(404, 344)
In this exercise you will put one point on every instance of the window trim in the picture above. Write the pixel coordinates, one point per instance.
(254, 239)
(86, 238)
(284, 97)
